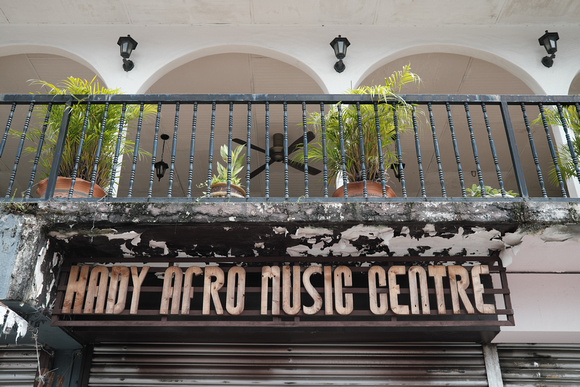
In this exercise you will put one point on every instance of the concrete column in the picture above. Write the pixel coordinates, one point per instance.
(492, 367)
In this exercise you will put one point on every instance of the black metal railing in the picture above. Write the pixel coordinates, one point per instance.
(455, 145)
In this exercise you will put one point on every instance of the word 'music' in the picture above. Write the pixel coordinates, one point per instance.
(286, 290)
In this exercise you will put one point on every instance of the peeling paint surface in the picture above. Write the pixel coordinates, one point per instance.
(371, 240)
(254, 229)
(10, 320)
(243, 239)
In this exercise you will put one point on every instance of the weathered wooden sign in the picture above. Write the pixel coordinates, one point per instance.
(288, 290)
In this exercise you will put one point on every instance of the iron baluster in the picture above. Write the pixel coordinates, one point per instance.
(136, 150)
(436, 149)
(58, 150)
(8, 124)
(533, 149)
(154, 153)
(19, 150)
(513, 146)
(192, 150)
(248, 148)
(399, 152)
(286, 193)
(362, 150)
(173, 150)
(324, 154)
(552, 151)
(493, 150)
(79, 150)
(210, 153)
(229, 166)
(380, 149)
(120, 136)
(342, 151)
(38, 150)
(474, 149)
(456, 149)
(418, 152)
(98, 152)
(568, 140)
(267, 150)
(305, 142)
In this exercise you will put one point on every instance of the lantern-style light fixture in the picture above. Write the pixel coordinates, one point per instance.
(339, 45)
(161, 166)
(548, 40)
(127, 44)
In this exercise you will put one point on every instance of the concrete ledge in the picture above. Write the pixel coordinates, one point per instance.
(486, 211)
(115, 212)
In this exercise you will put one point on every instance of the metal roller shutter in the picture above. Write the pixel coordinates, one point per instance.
(18, 365)
(282, 365)
(540, 364)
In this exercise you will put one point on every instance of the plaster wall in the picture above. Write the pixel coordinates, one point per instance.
(546, 308)
(22, 243)
(9, 243)
(163, 48)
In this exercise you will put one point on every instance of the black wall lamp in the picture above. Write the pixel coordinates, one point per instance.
(548, 40)
(127, 44)
(339, 45)
(161, 166)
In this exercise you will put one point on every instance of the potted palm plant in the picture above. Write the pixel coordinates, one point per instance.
(344, 118)
(218, 184)
(97, 127)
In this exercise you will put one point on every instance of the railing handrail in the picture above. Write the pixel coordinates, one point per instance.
(288, 98)
(503, 102)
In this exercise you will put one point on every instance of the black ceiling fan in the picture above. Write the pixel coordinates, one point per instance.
(277, 153)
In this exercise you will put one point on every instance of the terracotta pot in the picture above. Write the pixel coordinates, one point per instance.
(355, 190)
(219, 190)
(81, 188)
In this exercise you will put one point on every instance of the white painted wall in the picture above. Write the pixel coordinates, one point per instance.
(163, 48)
(547, 308)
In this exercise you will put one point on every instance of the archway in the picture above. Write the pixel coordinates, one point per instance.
(575, 85)
(47, 67)
(446, 73)
(243, 73)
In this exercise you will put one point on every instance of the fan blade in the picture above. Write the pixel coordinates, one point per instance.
(300, 167)
(254, 147)
(292, 147)
(259, 170)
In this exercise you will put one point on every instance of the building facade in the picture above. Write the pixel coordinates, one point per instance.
(157, 284)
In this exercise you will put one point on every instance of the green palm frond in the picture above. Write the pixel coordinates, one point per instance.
(96, 124)
(571, 119)
(348, 116)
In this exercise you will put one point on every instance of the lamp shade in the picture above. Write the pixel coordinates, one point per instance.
(339, 45)
(160, 168)
(127, 44)
(548, 40)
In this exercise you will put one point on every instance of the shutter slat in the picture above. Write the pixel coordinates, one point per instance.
(282, 365)
(540, 364)
(18, 365)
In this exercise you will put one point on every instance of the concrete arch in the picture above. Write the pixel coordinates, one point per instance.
(229, 49)
(487, 56)
(574, 87)
(23, 49)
